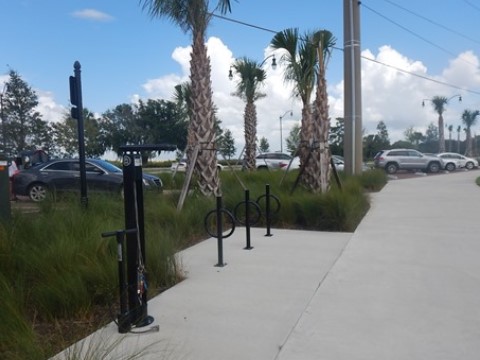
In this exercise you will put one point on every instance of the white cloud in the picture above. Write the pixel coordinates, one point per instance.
(47, 106)
(396, 97)
(92, 14)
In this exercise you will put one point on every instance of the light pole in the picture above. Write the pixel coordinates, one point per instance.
(445, 99)
(281, 129)
(2, 117)
(274, 65)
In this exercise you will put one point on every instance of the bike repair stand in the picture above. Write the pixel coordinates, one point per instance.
(135, 241)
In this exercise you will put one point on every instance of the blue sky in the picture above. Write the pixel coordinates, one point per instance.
(126, 55)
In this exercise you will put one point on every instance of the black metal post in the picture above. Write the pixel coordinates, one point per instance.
(77, 113)
(247, 219)
(268, 214)
(219, 232)
(135, 245)
(123, 323)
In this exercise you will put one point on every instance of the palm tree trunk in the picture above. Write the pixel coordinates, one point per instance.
(250, 135)
(321, 113)
(441, 134)
(307, 146)
(468, 151)
(202, 131)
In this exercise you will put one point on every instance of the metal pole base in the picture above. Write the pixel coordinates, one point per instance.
(145, 321)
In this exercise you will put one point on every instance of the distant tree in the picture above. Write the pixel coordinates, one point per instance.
(382, 134)
(469, 118)
(158, 121)
(414, 137)
(431, 134)
(264, 145)
(402, 144)
(429, 142)
(227, 144)
(21, 120)
(293, 140)
(117, 123)
(337, 134)
(149, 122)
(372, 144)
(65, 134)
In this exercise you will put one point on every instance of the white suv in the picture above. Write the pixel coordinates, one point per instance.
(406, 159)
(272, 161)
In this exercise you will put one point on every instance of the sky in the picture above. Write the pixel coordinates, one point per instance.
(411, 51)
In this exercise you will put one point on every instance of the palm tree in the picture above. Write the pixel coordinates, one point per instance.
(251, 77)
(469, 118)
(439, 103)
(301, 61)
(193, 16)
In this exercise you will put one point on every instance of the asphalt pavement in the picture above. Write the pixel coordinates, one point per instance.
(405, 285)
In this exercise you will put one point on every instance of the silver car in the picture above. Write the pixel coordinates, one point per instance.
(453, 161)
(406, 159)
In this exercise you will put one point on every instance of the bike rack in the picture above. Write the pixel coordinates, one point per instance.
(269, 213)
(248, 219)
(219, 213)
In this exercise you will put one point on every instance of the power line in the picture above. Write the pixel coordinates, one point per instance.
(472, 5)
(453, 31)
(363, 57)
(415, 34)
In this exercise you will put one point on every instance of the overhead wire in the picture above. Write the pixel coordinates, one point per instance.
(415, 34)
(363, 57)
(453, 31)
(476, 7)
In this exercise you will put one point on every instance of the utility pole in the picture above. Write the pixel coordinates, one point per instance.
(353, 149)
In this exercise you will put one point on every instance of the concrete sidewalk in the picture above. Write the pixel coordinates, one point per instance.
(405, 285)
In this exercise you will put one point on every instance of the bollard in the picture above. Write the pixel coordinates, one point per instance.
(252, 216)
(218, 214)
(247, 219)
(268, 207)
(268, 215)
(219, 232)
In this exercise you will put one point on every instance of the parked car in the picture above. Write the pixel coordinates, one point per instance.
(406, 159)
(181, 166)
(453, 161)
(64, 175)
(273, 161)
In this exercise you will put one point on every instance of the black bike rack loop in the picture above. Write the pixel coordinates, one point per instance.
(268, 208)
(248, 220)
(220, 212)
